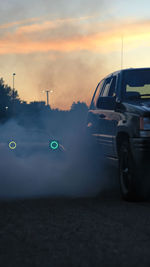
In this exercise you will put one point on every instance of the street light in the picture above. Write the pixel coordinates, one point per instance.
(47, 95)
(13, 90)
(14, 82)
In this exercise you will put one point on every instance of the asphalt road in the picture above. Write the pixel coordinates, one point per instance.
(74, 232)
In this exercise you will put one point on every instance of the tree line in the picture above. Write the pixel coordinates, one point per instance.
(37, 114)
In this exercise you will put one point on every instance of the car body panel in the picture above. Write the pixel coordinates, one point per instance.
(105, 124)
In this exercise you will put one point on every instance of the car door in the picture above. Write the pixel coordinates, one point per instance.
(108, 116)
(97, 119)
(105, 112)
(93, 113)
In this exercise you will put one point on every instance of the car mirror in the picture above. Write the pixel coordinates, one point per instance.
(106, 102)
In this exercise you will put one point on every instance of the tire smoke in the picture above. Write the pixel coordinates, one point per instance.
(73, 173)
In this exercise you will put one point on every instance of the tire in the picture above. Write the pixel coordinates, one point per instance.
(127, 173)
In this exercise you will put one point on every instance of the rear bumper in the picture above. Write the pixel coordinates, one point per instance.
(140, 148)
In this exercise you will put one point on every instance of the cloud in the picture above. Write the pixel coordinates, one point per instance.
(66, 45)
(18, 23)
(18, 10)
(71, 34)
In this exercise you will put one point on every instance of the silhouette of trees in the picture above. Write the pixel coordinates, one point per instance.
(79, 107)
(6, 94)
(6, 99)
(39, 115)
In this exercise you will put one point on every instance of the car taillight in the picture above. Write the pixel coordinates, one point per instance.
(144, 123)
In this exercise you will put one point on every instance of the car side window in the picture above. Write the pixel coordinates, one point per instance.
(112, 88)
(97, 93)
(109, 87)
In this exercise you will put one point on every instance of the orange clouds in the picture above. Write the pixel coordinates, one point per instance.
(51, 35)
(17, 23)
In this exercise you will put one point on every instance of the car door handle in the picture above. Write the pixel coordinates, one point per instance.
(102, 116)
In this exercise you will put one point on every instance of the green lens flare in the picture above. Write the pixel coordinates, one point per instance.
(54, 145)
(12, 145)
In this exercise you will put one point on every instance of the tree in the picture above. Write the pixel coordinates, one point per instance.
(6, 99)
(79, 107)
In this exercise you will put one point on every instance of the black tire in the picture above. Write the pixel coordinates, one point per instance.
(127, 173)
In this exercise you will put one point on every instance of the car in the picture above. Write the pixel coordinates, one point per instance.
(118, 122)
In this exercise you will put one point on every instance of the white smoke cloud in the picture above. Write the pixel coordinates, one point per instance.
(45, 174)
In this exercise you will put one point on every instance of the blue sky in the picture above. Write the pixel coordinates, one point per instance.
(136, 9)
(12, 10)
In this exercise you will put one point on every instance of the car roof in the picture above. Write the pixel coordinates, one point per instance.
(122, 70)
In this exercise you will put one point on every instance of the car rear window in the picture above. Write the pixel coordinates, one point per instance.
(136, 84)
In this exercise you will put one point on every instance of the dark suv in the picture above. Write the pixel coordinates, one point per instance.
(119, 123)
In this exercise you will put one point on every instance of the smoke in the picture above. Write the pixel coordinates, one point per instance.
(69, 74)
(72, 76)
(29, 171)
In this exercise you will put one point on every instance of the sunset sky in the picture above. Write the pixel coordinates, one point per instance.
(67, 46)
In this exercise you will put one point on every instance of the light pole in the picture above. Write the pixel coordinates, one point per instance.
(13, 90)
(47, 95)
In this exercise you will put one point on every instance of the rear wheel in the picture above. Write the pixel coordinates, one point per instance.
(127, 173)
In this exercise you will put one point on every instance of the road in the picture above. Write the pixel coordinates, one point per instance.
(74, 232)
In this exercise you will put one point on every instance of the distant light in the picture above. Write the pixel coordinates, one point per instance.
(6, 107)
(54, 145)
(12, 145)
